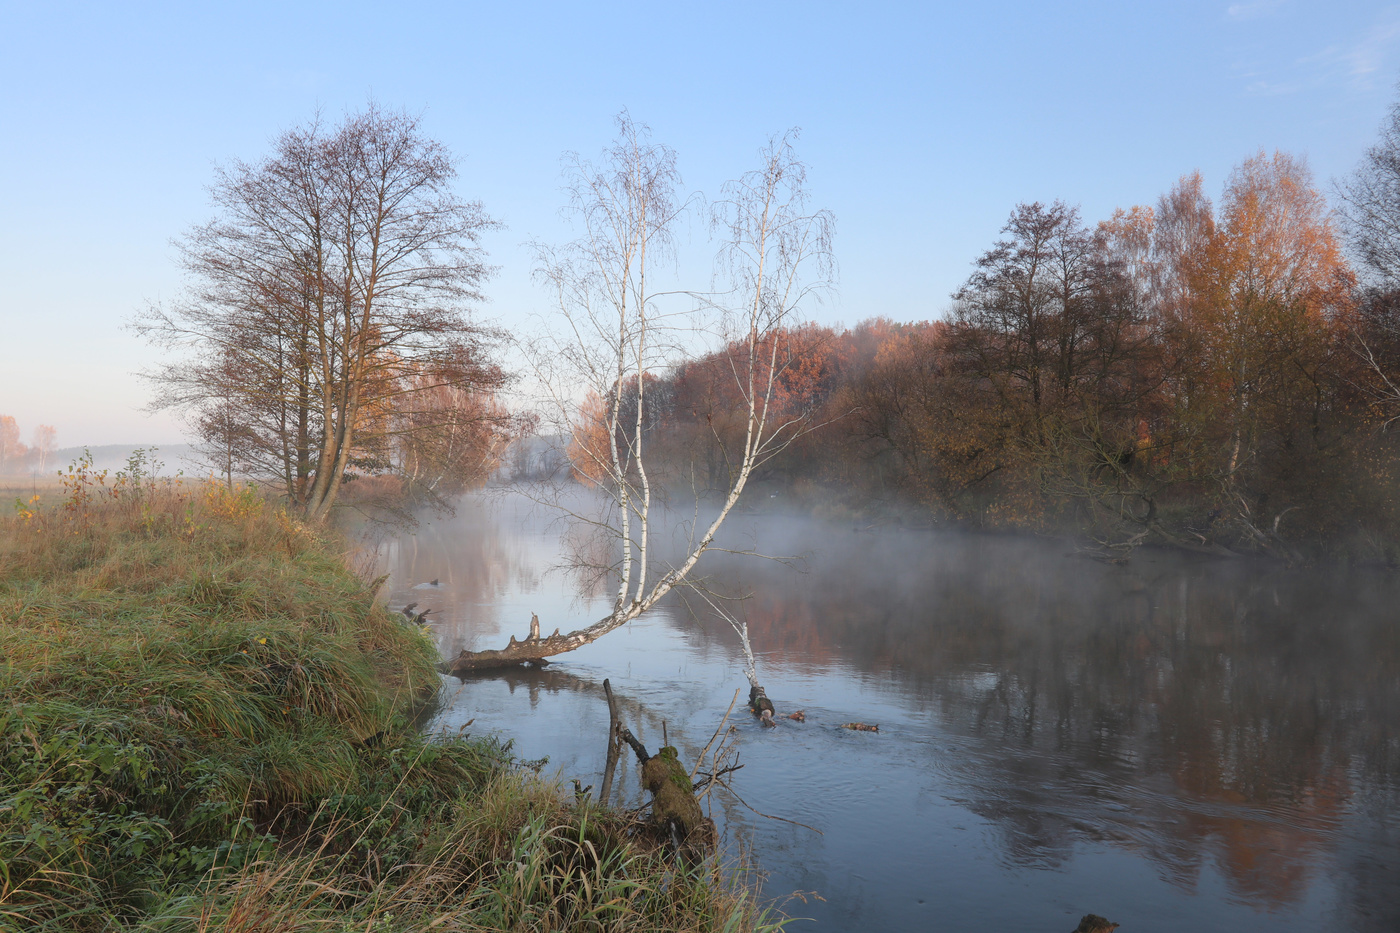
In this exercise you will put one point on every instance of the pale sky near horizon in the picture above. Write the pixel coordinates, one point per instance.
(922, 126)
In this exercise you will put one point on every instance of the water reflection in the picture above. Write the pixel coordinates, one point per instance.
(1168, 742)
(531, 685)
(1194, 712)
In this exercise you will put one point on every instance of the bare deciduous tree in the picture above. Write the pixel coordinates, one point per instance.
(1370, 211)
(329, 294)
(618, 329)
(451, 438)
(1370, 205)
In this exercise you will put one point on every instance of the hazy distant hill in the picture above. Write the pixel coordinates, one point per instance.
(113, 457)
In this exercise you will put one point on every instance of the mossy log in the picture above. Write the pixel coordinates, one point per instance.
(673, 802)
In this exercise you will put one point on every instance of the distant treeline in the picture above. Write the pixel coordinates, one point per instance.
(19, 457)
(1212, 376)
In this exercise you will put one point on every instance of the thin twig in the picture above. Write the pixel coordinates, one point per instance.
(710, 779)
(768, 816)
(706, 750)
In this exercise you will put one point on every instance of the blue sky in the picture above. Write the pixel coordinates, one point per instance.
(922, 125)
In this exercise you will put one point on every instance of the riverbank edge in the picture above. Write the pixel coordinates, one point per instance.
(210, 726)
(1181, 529)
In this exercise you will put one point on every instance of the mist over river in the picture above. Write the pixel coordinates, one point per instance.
(1174, 743)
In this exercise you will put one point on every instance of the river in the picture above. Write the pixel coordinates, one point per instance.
(1172, 743)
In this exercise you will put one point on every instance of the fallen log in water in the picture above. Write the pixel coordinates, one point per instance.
(533, 650)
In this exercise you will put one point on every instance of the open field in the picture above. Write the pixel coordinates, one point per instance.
(27, 484)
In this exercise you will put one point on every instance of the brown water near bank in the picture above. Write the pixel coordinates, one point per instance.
(1172, 744)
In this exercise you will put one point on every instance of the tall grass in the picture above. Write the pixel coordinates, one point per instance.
(208, 726)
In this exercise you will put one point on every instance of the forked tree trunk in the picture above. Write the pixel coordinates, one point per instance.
(772, 236)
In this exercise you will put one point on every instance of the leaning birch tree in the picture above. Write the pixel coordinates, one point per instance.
(617, 330)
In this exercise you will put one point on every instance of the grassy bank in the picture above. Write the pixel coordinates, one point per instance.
(208, 726)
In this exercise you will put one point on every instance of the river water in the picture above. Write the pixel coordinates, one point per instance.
(1172, 743)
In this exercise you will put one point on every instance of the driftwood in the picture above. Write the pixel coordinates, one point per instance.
(418, 618)
(637, 747)
(533, 650)
(702, 786)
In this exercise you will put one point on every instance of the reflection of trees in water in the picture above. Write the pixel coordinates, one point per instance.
(644, 722)
(478, 556)
(1195, 712)
(1369, 861)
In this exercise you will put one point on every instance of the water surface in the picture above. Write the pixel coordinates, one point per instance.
(1172, 743)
